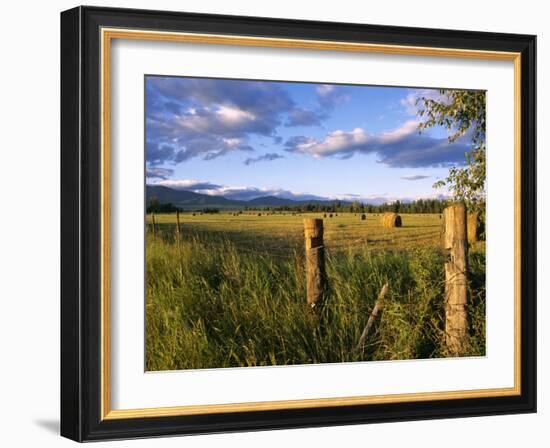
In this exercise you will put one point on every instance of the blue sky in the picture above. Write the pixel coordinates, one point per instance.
(244, 139)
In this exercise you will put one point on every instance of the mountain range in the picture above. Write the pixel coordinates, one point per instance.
(190, 200)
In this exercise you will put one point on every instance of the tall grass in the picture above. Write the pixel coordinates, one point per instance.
(210, 305)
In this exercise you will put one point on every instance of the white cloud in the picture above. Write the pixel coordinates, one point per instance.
(325, 89)
(207, 117)
(400, 147)
(223, 120)
(336, 142)
(234, 115)
(329, 96)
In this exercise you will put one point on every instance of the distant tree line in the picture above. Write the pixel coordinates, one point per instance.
(418, 206)
(155, 206)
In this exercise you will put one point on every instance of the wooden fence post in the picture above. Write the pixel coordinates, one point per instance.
(315, 261)
(373, 315)
(456, 278)
(178, 225)
(153, 221)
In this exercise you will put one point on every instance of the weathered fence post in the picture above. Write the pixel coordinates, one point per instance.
(178, 225)
(456, 278)
(153, 222)
(315, 261)
(373, 315)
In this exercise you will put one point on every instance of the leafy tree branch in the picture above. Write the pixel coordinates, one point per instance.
(463, 114)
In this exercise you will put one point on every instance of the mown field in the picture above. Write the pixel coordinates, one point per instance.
(231, 291)
(281, 234)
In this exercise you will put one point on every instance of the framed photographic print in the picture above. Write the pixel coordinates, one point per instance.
(275, 224)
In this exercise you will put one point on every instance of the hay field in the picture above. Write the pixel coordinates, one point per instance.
(281, 234)
(231, 292)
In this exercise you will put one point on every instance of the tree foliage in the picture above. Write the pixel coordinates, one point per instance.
(417, 206)
(155, 206)
(463, 114)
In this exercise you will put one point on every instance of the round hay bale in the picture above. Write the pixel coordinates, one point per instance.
(259, 214)
(390, 220)
(330, 216)
(363, 217)
(325, 215)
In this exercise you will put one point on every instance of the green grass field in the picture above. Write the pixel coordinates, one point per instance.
(231, 292)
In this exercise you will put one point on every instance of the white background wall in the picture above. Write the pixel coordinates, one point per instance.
(29, 220)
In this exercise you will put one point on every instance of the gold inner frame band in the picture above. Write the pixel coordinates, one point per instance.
(107, 35)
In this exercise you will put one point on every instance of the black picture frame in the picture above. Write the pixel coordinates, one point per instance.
(81, 224)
